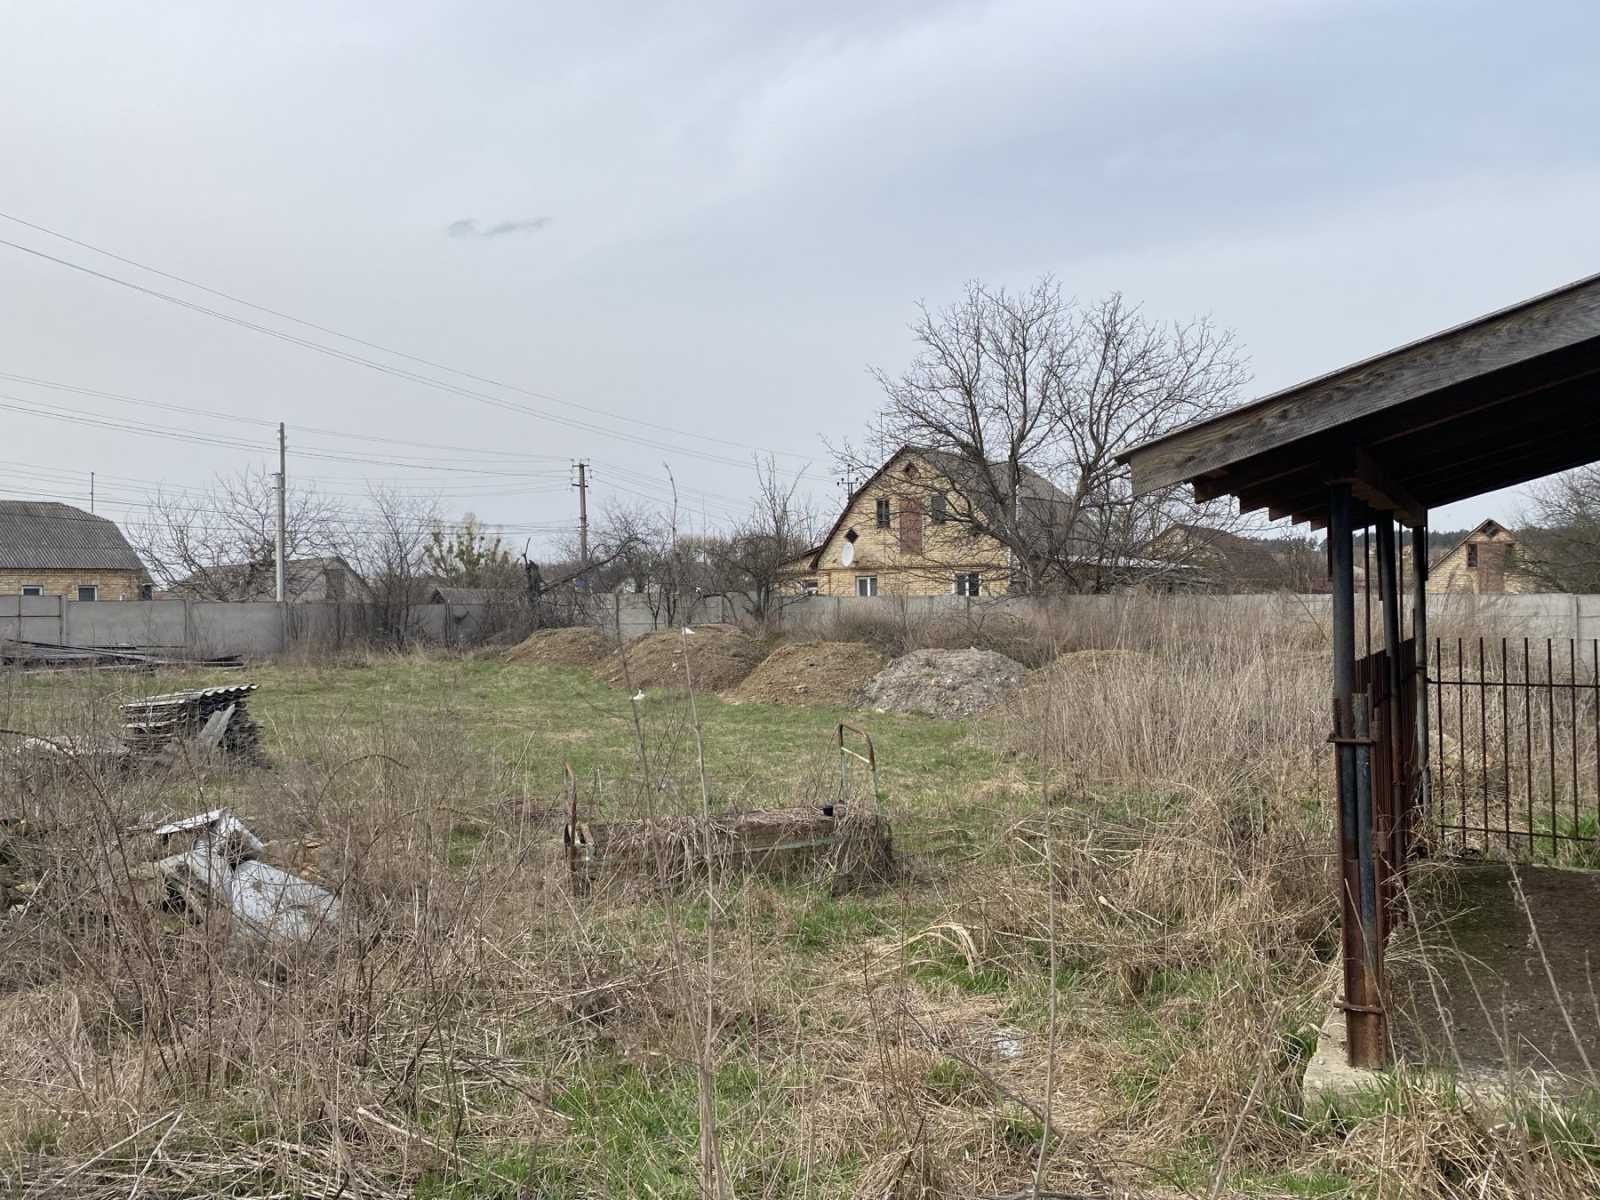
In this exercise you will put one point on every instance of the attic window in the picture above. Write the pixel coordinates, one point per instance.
(883, 514)
(1472, 554)
(939, 508)
(851, 536)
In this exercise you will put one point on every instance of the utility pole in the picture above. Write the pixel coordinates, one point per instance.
(283, 459)
(583, 515)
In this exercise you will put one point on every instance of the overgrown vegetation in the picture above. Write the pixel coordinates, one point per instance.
(1111, 922)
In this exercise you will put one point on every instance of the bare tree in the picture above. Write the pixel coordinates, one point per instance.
(1560, 538)
(778, 528)
(221, 544)
(390, 549)
(1026, 398)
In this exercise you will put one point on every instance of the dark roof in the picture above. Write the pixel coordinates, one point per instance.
(1498, 401)
(45, 536)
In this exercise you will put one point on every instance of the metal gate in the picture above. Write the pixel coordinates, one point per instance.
(1515, 749)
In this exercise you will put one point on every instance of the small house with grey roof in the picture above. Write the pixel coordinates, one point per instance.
(51, 549)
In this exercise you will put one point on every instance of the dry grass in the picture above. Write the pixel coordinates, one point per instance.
(1153, 852)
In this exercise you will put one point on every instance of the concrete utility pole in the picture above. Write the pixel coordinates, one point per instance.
(283, 459)
(583, 515)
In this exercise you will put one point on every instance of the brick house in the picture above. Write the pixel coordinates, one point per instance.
(50, 549)
(1487, 560)
(897, 536)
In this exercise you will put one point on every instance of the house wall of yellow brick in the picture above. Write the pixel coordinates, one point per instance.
(1497, 569)
(113, 585)
(947, 549)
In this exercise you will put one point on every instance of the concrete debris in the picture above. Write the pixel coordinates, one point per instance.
(216, 717)
(222, 867)
(84, 749)
(265, 901)
(218, 826)
(853, 849)
(945, 683)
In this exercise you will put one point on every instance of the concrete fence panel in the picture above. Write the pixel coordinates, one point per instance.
(203, 628)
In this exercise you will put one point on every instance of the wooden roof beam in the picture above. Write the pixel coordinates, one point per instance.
(1546, 325)
(1374, 486)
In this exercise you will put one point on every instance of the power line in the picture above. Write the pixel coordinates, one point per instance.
(55, 385)
(358, 359)
(19, 405)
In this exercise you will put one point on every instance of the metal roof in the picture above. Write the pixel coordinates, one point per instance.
(38, 535)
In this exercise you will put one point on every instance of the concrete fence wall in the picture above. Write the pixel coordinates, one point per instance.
(1555, 615)
(205, 628)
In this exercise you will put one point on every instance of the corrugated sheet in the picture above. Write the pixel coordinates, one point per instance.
(45, 536)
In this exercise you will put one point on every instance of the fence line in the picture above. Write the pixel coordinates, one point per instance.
(1516, 747)
(261, 628)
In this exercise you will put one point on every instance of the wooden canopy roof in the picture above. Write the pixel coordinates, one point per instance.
(1498, 401)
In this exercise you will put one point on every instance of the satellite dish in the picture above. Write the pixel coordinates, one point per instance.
(848, 554)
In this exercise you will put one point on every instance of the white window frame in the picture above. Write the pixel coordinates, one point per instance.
(32, 589)
(961, 578)
(89, 587)
(808, 587)
(866, 586)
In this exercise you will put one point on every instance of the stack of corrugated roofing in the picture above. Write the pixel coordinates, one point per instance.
(152, 723)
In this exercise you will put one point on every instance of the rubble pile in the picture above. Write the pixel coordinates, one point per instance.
(811, 673)
(945, 683)
(223, 866)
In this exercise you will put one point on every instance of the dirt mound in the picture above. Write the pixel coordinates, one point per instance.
(580, 646)
(945, 683)
(811, 673)
(720, 656)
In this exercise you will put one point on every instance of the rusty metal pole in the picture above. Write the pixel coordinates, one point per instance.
(1363, 1019)
(1422, 808)
(1392, 827)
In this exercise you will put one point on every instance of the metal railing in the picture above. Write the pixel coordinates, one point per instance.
(1515, 729)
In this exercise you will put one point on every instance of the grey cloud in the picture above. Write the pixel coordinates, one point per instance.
(468, 227)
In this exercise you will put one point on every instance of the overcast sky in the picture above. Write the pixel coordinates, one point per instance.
(686, 231)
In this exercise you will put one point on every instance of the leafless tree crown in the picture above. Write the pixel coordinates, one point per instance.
(1030, 397)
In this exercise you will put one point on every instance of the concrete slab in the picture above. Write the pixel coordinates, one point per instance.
(1495, 988)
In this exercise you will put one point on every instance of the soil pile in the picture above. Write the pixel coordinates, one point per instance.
(720, 656)
(811, 673)
(580, 646)
(945, 683)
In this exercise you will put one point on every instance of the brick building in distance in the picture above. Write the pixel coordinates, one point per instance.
(1487, 560)
(51, 549)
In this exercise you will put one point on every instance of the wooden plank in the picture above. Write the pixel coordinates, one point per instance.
(1436, 440)
(1554, 322)
(1382, 492)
